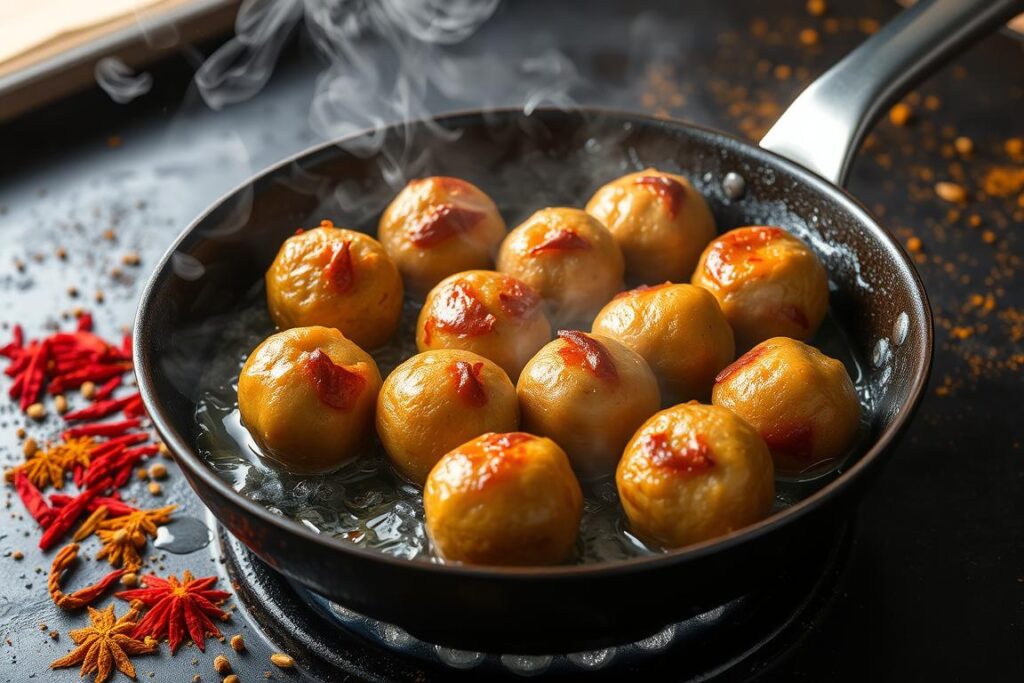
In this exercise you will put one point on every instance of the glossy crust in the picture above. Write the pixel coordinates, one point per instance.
(307, 396)
(486, 312)
(439, 226)
(569, 258)
(589, 393)
(801, 401)
(694, 472)
(504, 499)
(768, 282)
(661, 223)
(336, 278)
(678, 329)
(438, 400)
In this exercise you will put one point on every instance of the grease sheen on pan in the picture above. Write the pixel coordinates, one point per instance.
(307, 397)
(504, 499)
(659, 220)
(801, 401)
(336, 278)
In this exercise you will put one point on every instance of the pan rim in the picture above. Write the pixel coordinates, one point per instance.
(186, 455)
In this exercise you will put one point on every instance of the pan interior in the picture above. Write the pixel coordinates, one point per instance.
(212, 311)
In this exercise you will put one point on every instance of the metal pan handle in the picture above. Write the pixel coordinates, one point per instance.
(824, 126)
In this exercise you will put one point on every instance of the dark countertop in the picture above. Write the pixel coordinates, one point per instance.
(935, 585)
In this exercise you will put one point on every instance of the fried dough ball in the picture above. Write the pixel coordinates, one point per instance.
(489, 313)
(678, 329)
(768, 282)
(306, 396)
(694, 472)
(504, 499)
(336, 278)
(569, 258)
(438, 400)
(661, 223)
(801, 401)
(589, 393)
(438, 226)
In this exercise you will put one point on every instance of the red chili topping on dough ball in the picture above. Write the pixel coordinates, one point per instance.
(560, 240)
(670, 192)
(642, 289)
(740, 363)
(442, 223)
(518, 299)
(335, 385)
(468, 385)
(585, 351)
(460, 312)
(339, 271)
(495, 457)
(734, 246)
(694, 457)
(793, 439)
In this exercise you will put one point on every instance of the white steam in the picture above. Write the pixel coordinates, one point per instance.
(119, 80)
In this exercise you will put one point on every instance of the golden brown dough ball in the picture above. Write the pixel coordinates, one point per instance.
(438, 226)
(801, 401)
(589, 393)
(568, 257)
(438, 400)
(660, 222)
(504, 499)
(678, 329)
(694, 472)
(306, 396)
(768, 282)
(336, 278)
(489, 313)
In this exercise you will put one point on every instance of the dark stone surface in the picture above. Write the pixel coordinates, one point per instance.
(934, 588)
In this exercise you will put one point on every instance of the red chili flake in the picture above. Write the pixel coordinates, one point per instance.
(92, 372)
(457, 310)
(34, 376)
(560, 240)
(85, 322)
(795, 314)
(740, 363)
(670, 192)
(796, 440)
(442, 223)
(22, 357)
(83, 596)
(126, 346)
(134, 407)
(693, 458)
(335, 385)
(33, 500)
(468, 385)
(115, 506)
(107, 388)
(585, 351)
(179, 608)
(101, 409)
(102, 429)
(741, 243)
(340, 271)
(114, 459)
(16, 346)
(69, 514)
(518, 299)
(642, 289)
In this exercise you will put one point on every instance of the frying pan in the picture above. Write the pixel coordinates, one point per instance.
(551, 157)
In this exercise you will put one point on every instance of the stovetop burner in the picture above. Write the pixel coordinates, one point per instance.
(735, 641)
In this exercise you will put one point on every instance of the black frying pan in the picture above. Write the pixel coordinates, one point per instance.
(526, 161)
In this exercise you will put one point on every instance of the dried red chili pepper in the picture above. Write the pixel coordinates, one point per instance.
(179, 608)
(69, 514)
(102, 429)
(35, 375)
(14, 347)
(134, 407)
(83, 596)
(101, 409)
(115, 506)
(85, 322)
(106, 389)
(92, 372)
(33, 500)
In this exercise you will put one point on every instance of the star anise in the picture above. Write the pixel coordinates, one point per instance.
(124, 536)
(179, 608)
(106, 643)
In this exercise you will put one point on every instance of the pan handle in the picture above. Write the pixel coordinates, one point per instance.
(824, 126)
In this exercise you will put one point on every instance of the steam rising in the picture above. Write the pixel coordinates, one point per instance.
(119, 80)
